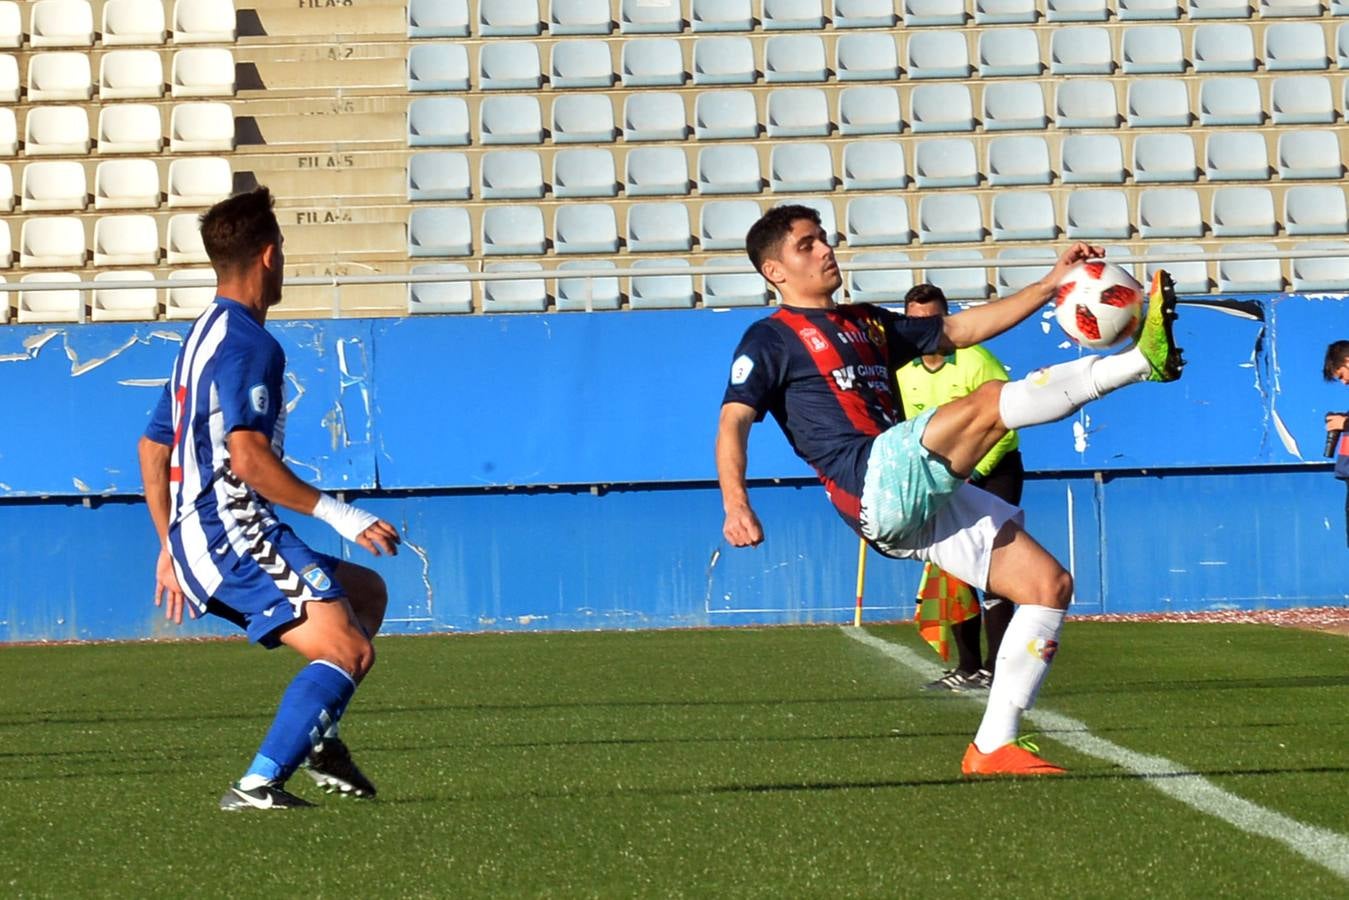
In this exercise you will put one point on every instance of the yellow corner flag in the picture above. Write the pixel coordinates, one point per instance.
(943, 600)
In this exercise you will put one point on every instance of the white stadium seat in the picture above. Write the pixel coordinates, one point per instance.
(584, 172)
(645, 17)
(133, 22)
(661, 291)
(1219, 9)
(1081, 50)
(511, 230)
(204, 22)
(510, 119)
(581, 64)
(124, 305)
(876, 220)
(503, 65)
(189, 302)
(1230, 101)
(126, 184)
(864, 14)
(51, 306)
(1144, 10)
(722, 224)
(511, 175)
(583, 118)
(56, 185)
(454, 296)
(723, 60)
(439, 231)
(11, 24)
(1010, 279)
(1076, 11)
(586, 294)
(654, 116)
(935, 54)
(1005, 12)
(1322, 273)
(182, 240)
(1085, 103)
(730, 169)
(1152, 50)
(1292, 46)
(792, 15)
(874, 166)
(717, 15)
(945, 163)
(879, 285)
(941, 107)
(10, 85)
(1236, 156)
(1158, 103)
(56, 131)
(1170, 213)
(1301, 100)
(1243, 212)
(1309, 154)
(964, 283)
(1023, 216)
(438, 175)
(131, 128)
(61, 23)
(657, 227)
(201, 127)
(1315, 209)
(59, 75)
(437, 122)
(6, 252)
(651, 62)
(6, 189)
(1014, 51)
(719, 115)
(795, 166)
(199, 181)
(515, 295)
(52, 242)
(130, 240)
(585, 228)
(1190, 276)
(869, 109)
(578, 16)
(203, 72)
(130, 74)
(508, 18)
(1014, 106)
(1091, 159)
(946, 218)
(1098, 215)
(723, 290)
(794, 58)
(798, 112)
(1164, 157)
(1018, 159)
(1224, 47)
(1250, 274)
(437, 67)
(437, 18)
(919, 13)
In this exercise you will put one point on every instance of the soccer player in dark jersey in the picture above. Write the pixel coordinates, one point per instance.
(211, 461)
(825, 373)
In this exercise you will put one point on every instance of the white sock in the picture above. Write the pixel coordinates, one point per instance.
(1027, 649)
(1049, 394)
(249, 782)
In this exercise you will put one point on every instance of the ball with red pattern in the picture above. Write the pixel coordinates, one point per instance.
(1099, 305)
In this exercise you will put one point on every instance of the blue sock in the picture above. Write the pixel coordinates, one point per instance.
(311, 705)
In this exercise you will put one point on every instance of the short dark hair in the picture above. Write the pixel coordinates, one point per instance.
(766, 235)
(927, 293)
(235, 230)
(1337, 354)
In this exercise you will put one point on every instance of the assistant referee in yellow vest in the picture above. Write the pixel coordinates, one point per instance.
(931, 381)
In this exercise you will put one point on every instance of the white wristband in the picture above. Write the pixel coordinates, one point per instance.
(343, 518)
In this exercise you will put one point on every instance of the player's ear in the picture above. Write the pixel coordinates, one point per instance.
(772, 271)
(268, 256)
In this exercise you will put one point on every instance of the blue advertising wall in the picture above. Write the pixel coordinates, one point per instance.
(556, 471)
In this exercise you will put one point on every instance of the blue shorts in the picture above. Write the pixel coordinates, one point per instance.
(267, 589)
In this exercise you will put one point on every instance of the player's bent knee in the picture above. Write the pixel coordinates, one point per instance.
(1062, 589)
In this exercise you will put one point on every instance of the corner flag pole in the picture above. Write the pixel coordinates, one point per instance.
(861, 579)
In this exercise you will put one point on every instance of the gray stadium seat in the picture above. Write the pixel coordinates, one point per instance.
(1164, 157)
(651, 62)
(721, 15)
(918, 13)
(1236, 156)
(964, 283)
(1086, 103)
(1005, 12)
(658, 227)
(1158, 103)
(1024, 216)
(1013, 106)
(729, 169)
(1309, 155)
(1301, 100)
(1230, 101)
(720, 115)
(508, 18)
(868, 110)
(1091, 159)
(438, 176)
(1080, 50)
(583, 119)
(578, 294)
(1342, 44)
(1018, 159)
(581, 64)
(941, 107)
(1147, 10)
(511, 175)
(866, 57)
(434, 297)
(1224, 47)
(584, 172)
(1315, 209)
(1219, 9)
(724, 60)
(937, 54)
(794, 58)
(1152, 50)
(567, 17)
(1293, 46)
(798, 112)
(437, 18)
(874, 166)
(655, 171)
(661, 291)
(437, 122)
(1190, 277)
(516, 295)
(654, 116)
(793, 15)
(876, 220)
(722, 224)
(1285, 8)
(512, 230)
(1098, 215)
(1076, 11)
(1014, 51)
(1170, 213)
(645, 17)
(439, 231)
(945, 218)
(795, 166)
(437, 67)
(1250, 274)
(864, 14)
(879, 285)
(505, 65)
(1325, 273)
(510, 119)
(723, 290)
(1010, 279)
(945, 163)
(1243, 212)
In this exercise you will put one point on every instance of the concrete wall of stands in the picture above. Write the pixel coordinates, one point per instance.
(555, 471)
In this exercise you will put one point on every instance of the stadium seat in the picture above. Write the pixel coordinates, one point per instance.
(432, 297)
(793, 15)
(6, 189)
(945, 163)
(795, 166)
(1224, 47)
(798, 112)
(1170, 213)
(510, 119)
(794, 58)
(652, 62)
(126, 184)
(945, 218)
(941, 107)
(722, 224)
(729, 169)
(874, 166)
(1076, 11)
(1294, 46)
(1091, 159)
(1250, 274)
(129, 23)
(51, 241)
(919, 13)
(438, 67)
(963, 283)
(585, 228)
(721, 15)
(130, 74)
(188, 302)
(202, 72)
(503, 65)
(1158, 103)
(11, 24)
(1005, 12)
(578, 17)
(51, 306)
(438, 18)
(1236, 156)
(718, 115)
(1018, 159)
(51, 186)
(661, 291)
(1342, 44)
(1152, 50)
(646, 17)
(1301, 100)
(1324, 273)
(1189, 276)
(1009, 52)
(515, 295)
(724, 290)
(586, 172)
(56, 131)
(1230, 101)
(1147, 10)
(439, 231)
(1315, 209)
(61, 23)
(654, 116)
(10, 85)
(822, 205)
(654, 171)
(1081, 50)
(1286, 8)
(511, 175)
(437, 122)
(197, 127)
(183, 240)
(658, 227)
(124, 305)
(1309, 155)
(879, 285)
(134, 128)
(1097, 215)
(867, 57)
(513, 230)
(864, 14)
(1010, 279)
(508, 18)
(935, 54)
(204, 22)
(1164, 157)
(130, 240)
(1012, 106)
(581, 64)
(877, 220)
(439, 175)
(1243, 212)
(1219, 9)
(60, 75)
(582, 119)
(1024, 216)
(584, 294)
(1088, 103)
(868, 110)
(723, 60)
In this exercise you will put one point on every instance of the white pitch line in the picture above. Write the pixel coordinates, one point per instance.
(1326, 848)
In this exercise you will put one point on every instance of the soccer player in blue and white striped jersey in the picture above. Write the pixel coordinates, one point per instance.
(211, 461)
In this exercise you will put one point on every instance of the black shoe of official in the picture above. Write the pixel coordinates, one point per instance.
(266, 796)
(331, 766)
(955, 681)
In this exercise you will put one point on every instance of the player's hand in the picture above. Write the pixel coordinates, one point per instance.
(1078, 252)
(1336, 422)
(168, 593)
(380, 539)
(742, 528)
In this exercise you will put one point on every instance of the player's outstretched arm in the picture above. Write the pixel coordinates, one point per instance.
(742, 526)
(979, 323)
(154, 462)
(252, 459)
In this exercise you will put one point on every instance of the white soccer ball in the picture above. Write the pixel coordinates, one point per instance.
(1099, 305)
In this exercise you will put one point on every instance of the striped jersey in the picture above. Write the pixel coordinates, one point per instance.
(228, 376)
(827, 377)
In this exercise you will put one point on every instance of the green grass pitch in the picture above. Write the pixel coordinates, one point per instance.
(781, 762)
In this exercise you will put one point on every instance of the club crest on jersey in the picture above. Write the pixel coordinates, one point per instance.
(845, 378)
(814, 340)
(875, 331)
(740, 369)
(259, 399)
(1044, 649)
(317, 578)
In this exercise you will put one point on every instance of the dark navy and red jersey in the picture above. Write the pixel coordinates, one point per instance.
(827, 377)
